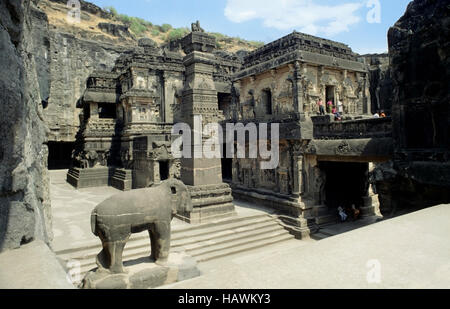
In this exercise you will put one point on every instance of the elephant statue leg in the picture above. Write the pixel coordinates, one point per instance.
(151, 233)
(116, 256)
(111, 255)
(161, 247)
(103, 259)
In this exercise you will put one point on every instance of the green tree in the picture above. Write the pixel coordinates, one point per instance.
(165, 27)
(177, 33)
(111, 10)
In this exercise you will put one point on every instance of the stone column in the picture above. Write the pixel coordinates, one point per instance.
(162, 112)
(298, 89)
(297, 175)
(211, 197)
(371, 205)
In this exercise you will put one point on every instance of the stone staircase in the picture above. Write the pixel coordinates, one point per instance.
(321, 234)
(323, 216)
(204, 242)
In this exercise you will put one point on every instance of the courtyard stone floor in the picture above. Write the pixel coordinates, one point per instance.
(410, 251)
(406, 252)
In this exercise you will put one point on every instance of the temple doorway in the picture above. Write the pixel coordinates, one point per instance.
(329, 94)
(60, 155)
(227, 166)
(266, 99)
(346, 183)
(163, 170)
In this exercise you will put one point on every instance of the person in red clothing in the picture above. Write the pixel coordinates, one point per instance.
(321, 107)
(329, 106)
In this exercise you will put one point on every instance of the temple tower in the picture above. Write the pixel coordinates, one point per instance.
(211, 197)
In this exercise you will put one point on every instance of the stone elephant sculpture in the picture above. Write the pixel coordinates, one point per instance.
(152, 209)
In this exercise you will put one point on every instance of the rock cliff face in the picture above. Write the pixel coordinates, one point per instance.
(419, 175)
(87, 7)
(25, 213)
(72, 61)
(380, 82)
(65, 60)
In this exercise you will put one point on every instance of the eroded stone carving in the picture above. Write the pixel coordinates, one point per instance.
(195, 27)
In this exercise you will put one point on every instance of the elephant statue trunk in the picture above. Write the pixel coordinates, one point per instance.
(151, 209)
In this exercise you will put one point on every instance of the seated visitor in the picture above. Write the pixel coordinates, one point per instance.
(337, 115)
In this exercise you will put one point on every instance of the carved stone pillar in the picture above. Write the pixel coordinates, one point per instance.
(210, 196)
(297, 161)
(298, 89)
(371, 205)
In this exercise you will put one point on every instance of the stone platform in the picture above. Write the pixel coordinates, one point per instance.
(142, 273)
(118, 178)
(210, 202)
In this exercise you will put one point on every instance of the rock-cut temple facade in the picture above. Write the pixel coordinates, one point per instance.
(128, 114)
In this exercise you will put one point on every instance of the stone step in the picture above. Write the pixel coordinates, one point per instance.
(318, 211)
(319, 236)
(220, 227)
(214, 247)
(202, 247)
(142, 247)
(244, 247)
(179, 236)
(326, 219)
(215, 239)
(177, 233)
(326, 232)
(223, 234)
(196, 246)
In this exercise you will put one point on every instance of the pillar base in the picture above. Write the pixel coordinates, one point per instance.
(210, 202)
(371, 206)
(301, 228)
(144, 274)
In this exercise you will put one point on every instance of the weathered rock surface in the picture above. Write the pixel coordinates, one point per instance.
(33, 266)
(380, 80)
(88, 7)
(72, 61)
(142, 273)
(419, 51)
(120, 31)
(24, 186)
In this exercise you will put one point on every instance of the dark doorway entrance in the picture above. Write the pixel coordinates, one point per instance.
(164, 170)
(227, 166)
(106, 111)
(266, 100)
(224, 100)
(60, 155)
(346, 183)
(330, 94)
(227, 170)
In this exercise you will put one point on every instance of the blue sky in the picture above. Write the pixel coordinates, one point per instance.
(361, 24)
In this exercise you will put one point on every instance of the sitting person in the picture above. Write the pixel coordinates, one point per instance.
(353, 212)
(337, 115)
(342, 214)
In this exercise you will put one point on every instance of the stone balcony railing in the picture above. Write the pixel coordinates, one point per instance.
(326, 128)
